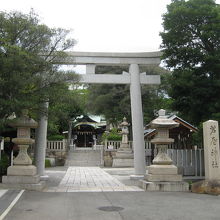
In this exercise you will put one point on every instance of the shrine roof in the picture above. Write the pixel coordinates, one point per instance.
(149, 131)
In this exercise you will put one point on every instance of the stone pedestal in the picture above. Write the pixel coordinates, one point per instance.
(29, 170)
(23, 175)
(178, 186)
(162, 174)
(123, 160)
(124, 155)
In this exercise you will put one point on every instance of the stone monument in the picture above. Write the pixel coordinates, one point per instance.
(211, 184)
(23, 174)
(162, 174)
(124, 155)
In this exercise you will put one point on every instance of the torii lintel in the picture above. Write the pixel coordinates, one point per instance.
(118, 79)
(103, 58)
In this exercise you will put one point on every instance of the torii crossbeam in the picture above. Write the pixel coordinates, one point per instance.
(134, 78)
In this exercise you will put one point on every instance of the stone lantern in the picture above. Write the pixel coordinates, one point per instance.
(124, 131)
(161, 140)
(22, 174)
(162, 174)
(124, 155)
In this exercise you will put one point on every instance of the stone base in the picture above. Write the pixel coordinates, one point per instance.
(136, 177)
(20, 170)
(21, 179)
(44, 178)
(207, 187)
(162, 169)
(28, 186)
(23, 182)
(123, 162)
(124, 155)
(164, 186)
(163, 173)
(123, 158)
(163, 178)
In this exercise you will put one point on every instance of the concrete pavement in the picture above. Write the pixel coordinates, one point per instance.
(8, 199)
(115, 206)
(85, 203)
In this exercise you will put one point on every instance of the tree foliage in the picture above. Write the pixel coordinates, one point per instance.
(113, 101)
(70, 105)
(27, 72)
(191, 40)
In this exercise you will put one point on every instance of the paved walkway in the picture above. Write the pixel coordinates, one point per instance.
(90, 179)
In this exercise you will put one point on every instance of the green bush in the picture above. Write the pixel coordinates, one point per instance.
(4, 163)
(113, 135)
(56, 137)
(47, 163)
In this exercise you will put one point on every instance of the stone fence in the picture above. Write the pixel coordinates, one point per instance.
(57, 145)
(190, 162)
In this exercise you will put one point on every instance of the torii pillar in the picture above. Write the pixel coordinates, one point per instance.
(137, 122)
(134, 78)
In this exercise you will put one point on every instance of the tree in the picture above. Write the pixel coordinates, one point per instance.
(70, 105)
(109, 100)
(190, 43)
(27, 73)
(113, 101)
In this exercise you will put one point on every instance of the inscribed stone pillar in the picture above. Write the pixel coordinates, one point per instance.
(137, 121)
(211, 150)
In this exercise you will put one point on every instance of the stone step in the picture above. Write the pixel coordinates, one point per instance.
(84, 158)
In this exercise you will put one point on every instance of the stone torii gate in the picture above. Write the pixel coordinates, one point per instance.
(134, 78)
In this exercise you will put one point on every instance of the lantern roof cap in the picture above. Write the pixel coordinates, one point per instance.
(23, 121)
(124, 123)
(162, 121)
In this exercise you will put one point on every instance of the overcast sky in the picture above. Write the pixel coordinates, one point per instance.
(101, 25)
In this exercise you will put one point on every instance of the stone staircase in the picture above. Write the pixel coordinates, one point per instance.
(84, 157)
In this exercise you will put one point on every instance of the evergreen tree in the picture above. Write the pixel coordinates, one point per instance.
(191, 40)
(113, 101)
(27, 73)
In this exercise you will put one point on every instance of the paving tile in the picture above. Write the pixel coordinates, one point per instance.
(90, 179)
